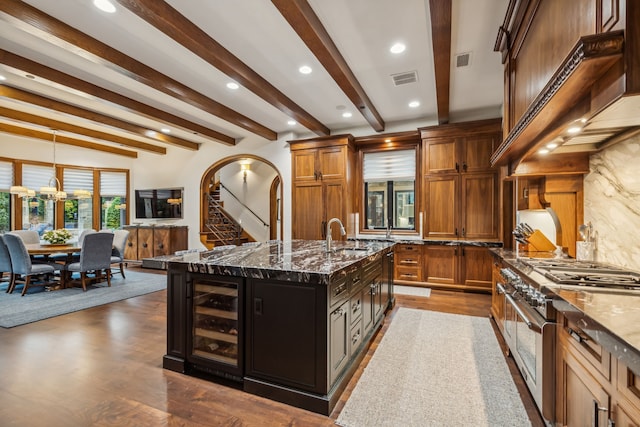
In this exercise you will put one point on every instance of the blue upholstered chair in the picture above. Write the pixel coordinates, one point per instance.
(95, 257)
(119, 244)
(5, 262)
(23, 269)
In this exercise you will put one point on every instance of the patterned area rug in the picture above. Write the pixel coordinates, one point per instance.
(39, 304)
(435, 369)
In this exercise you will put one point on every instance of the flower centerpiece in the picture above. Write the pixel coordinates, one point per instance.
(56, 236)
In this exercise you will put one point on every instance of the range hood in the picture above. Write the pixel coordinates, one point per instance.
(587, 92)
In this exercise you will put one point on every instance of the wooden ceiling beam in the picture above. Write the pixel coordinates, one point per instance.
(124, 103)
(60, 34)
(309, 28)
(176, 26)
(55, 124)
(61, 139)
(440, 11)
(51, 104)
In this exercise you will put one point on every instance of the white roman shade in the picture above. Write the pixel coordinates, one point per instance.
(35, 177)
(396, 165)
(113, 184)
(78, 179)
(6, 175)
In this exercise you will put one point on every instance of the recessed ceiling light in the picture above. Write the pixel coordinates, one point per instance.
(30, 76)
(414, 104)
(543, 151)
(233, 85)
(346, 114)
(165, 130)
(388, 140)
(291, 122)
(2, 77)
(305, 69)
(151, 133)
(104, 5)
(552, 145)
(397, 48)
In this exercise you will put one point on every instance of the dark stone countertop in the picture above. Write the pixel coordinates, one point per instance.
(611, 317)
(426, 242)
(304, 261)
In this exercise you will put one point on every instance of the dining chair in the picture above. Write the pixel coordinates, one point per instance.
(117, 255)
(28, 236)
(95, 257)
(22, 267)
(66, 258)
(5, 262)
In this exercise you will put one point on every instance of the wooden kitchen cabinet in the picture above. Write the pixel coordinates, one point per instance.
(151, 241)
(497, 297)
(460, 187)
(408, 262)
(322, 185)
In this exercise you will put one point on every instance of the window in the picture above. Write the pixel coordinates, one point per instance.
(37, 214)
(113, 193)
(389, 187)
(6, 181)
(78, 207)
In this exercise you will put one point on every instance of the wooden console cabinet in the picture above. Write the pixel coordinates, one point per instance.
(151, 241)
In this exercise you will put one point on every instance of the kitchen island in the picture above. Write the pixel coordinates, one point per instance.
(285, 320)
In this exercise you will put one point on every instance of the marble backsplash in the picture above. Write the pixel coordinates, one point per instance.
(612, 203)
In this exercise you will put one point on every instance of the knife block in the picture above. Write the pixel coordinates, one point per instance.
(539, 242)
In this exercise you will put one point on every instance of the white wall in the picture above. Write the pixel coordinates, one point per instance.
(254, 194)
(612, 203)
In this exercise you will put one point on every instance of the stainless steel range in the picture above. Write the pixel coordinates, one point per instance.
(529, 322)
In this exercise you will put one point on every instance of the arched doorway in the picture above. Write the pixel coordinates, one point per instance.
(240, 200)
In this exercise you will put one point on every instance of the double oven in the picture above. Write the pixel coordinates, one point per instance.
(529, 329)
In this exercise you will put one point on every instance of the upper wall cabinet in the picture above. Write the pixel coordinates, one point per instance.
(462, 154)
(568, 65)
(316, 164)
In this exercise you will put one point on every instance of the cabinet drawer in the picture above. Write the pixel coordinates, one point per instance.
(338, 290)
(413, 274)
(355, 305)
(356, 338)
(592, 352)
(408, 249)
(628, 384)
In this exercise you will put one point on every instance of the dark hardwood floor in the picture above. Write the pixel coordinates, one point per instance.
(103, 367)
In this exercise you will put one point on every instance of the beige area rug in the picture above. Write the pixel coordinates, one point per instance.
(435, 369)
(412, 290)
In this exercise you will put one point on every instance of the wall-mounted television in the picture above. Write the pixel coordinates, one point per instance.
(159, 203)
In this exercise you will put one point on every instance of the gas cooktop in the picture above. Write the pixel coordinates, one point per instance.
(585, 273)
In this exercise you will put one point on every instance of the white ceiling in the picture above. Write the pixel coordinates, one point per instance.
(256, 33)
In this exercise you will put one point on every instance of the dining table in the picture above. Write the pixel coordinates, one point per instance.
(52, 249)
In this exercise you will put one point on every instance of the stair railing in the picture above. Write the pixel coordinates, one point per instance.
(245, 206)
(221, 225)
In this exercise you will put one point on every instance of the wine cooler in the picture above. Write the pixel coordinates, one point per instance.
(216, 327)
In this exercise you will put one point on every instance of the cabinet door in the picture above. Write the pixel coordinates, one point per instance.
(582, 400)
(339, 336)
(476, 152)
(332, 163)
(476, 267)
(479, 206)
(441, 264)
(441, 207)
(145, 243)
(304, 165)
(441, 155)
(131, 249)
(161, 241)
(334, 203)
(307, 214)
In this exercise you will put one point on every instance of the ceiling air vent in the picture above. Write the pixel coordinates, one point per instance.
(404, 78)
(463, 59)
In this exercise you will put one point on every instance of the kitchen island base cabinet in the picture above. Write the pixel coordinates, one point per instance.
(294, 342)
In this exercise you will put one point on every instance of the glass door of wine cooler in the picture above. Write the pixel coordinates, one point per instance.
(217, 324)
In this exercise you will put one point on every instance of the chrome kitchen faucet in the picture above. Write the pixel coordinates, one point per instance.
(342, 231)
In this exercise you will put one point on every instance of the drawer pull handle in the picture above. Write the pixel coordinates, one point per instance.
(577, 336)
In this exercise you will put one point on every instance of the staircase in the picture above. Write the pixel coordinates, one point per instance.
(219, 227)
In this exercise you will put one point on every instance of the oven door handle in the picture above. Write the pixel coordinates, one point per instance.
(500, 288)
(534, 326)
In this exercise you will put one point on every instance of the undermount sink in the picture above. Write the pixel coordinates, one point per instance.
(352, 251)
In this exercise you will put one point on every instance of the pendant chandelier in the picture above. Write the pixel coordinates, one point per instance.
(53, 190)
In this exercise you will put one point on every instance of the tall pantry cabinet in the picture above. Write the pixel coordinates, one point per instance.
(322, 171)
